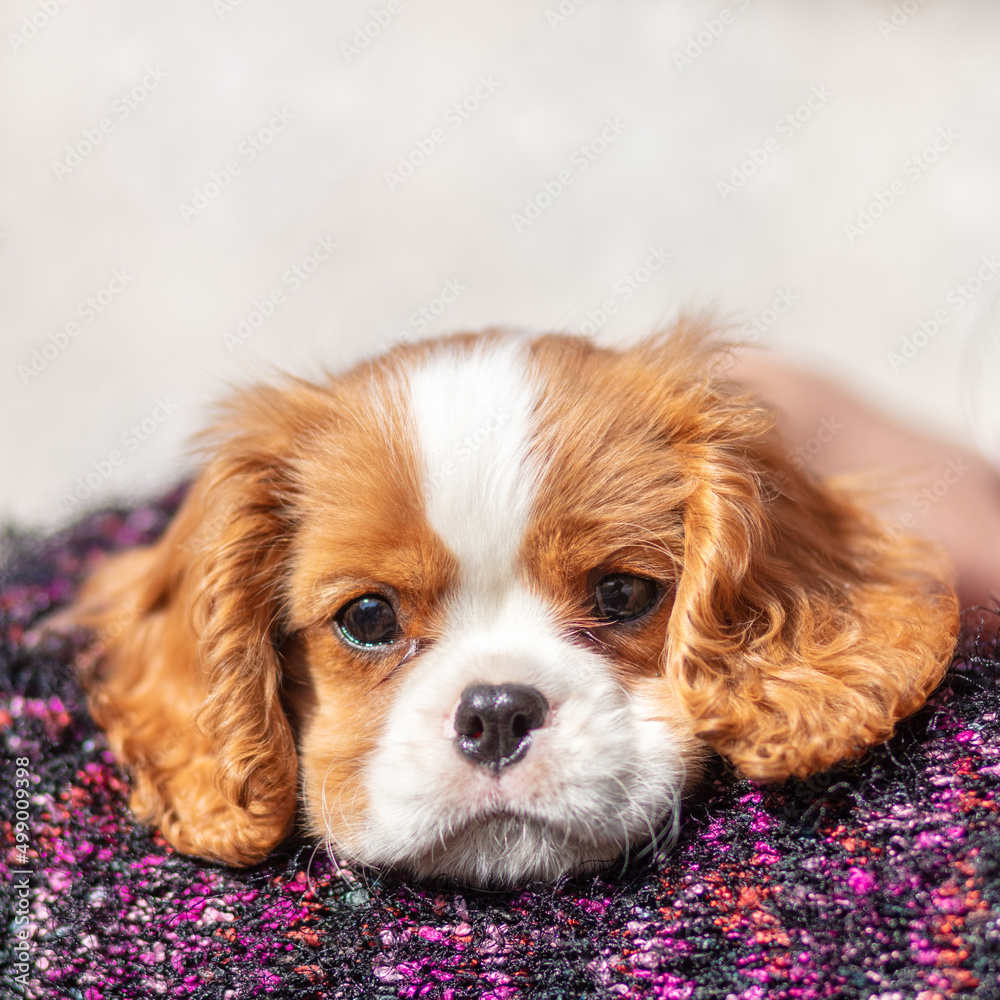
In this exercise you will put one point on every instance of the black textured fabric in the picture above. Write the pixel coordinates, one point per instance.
(880, 880)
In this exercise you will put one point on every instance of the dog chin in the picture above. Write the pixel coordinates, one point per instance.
(506, 850)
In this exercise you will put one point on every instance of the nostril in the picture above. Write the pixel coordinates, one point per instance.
(471, 726)
(493, 722)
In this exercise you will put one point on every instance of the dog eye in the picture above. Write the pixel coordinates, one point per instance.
(368, 620)
(621, 597)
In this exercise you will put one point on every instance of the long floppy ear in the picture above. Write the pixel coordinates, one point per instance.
(802, 630)
(187, 683)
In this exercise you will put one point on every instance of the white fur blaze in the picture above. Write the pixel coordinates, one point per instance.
(472, 416)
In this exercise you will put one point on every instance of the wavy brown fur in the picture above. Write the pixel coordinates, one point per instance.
(801, 631)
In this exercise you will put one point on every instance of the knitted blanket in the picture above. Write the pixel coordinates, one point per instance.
(880, 880)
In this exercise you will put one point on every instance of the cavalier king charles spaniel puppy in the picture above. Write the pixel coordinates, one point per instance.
(478, 608)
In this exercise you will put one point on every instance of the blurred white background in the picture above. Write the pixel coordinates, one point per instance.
(175, 175)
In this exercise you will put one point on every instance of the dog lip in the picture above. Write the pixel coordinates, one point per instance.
(466, 747)
(492, 796)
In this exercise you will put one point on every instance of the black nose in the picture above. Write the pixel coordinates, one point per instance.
(493, 722)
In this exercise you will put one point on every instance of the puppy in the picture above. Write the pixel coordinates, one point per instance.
(480, 606)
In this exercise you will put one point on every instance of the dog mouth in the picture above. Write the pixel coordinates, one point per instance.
(602, 790)
(507, 848)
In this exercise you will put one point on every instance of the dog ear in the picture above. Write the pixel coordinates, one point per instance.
(187, 683)
(802, 629)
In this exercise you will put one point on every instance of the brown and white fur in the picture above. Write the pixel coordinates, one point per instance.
(479, 493)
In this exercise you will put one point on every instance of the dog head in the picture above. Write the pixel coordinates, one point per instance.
(482, 605)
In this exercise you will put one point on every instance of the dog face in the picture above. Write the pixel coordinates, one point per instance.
(483, 604)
